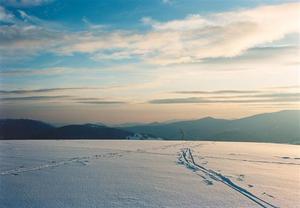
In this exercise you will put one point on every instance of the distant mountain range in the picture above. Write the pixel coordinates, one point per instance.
(279, 127)
(32, 129)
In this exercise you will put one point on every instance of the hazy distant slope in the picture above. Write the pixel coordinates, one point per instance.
(201, 128)
(281, 127)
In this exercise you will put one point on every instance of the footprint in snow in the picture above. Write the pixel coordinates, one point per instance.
(208, 182)
(241, 177)
(268, 195)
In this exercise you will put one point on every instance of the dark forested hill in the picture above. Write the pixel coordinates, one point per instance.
(31, 129)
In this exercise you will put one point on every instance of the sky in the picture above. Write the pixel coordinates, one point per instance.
(117, 61)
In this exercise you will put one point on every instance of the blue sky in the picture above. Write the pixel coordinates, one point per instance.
(126, 61)
(126, 14)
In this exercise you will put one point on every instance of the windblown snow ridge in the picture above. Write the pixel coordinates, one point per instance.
(186, 158)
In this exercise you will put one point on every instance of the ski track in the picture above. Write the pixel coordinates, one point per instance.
(84, 160)
(186, 158)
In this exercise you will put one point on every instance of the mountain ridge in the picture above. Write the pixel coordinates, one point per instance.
(278, 127)
(34, 129)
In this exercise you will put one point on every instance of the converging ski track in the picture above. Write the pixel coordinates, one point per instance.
(186, 157)
(147, 174)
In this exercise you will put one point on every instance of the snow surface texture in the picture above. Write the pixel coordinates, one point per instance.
(148, 174)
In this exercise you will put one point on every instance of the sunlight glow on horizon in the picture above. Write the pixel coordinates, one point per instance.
(188, 62)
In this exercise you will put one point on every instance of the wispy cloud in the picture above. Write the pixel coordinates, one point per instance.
(192, 100)
(219, 92)
(293, 87)
(94, 100)
(5, 16)
(34, 98)
(102, 102)
(65, 98)
(46, 90)
(226, 34)
(271, 95)
(188, 40)
(237, 97)
(40, 71)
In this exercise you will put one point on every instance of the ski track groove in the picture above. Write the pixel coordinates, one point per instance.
(186, 158)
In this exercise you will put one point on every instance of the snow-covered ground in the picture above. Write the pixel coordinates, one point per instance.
(148, 174)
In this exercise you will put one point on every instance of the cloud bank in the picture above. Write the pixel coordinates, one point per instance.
(189, 40)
